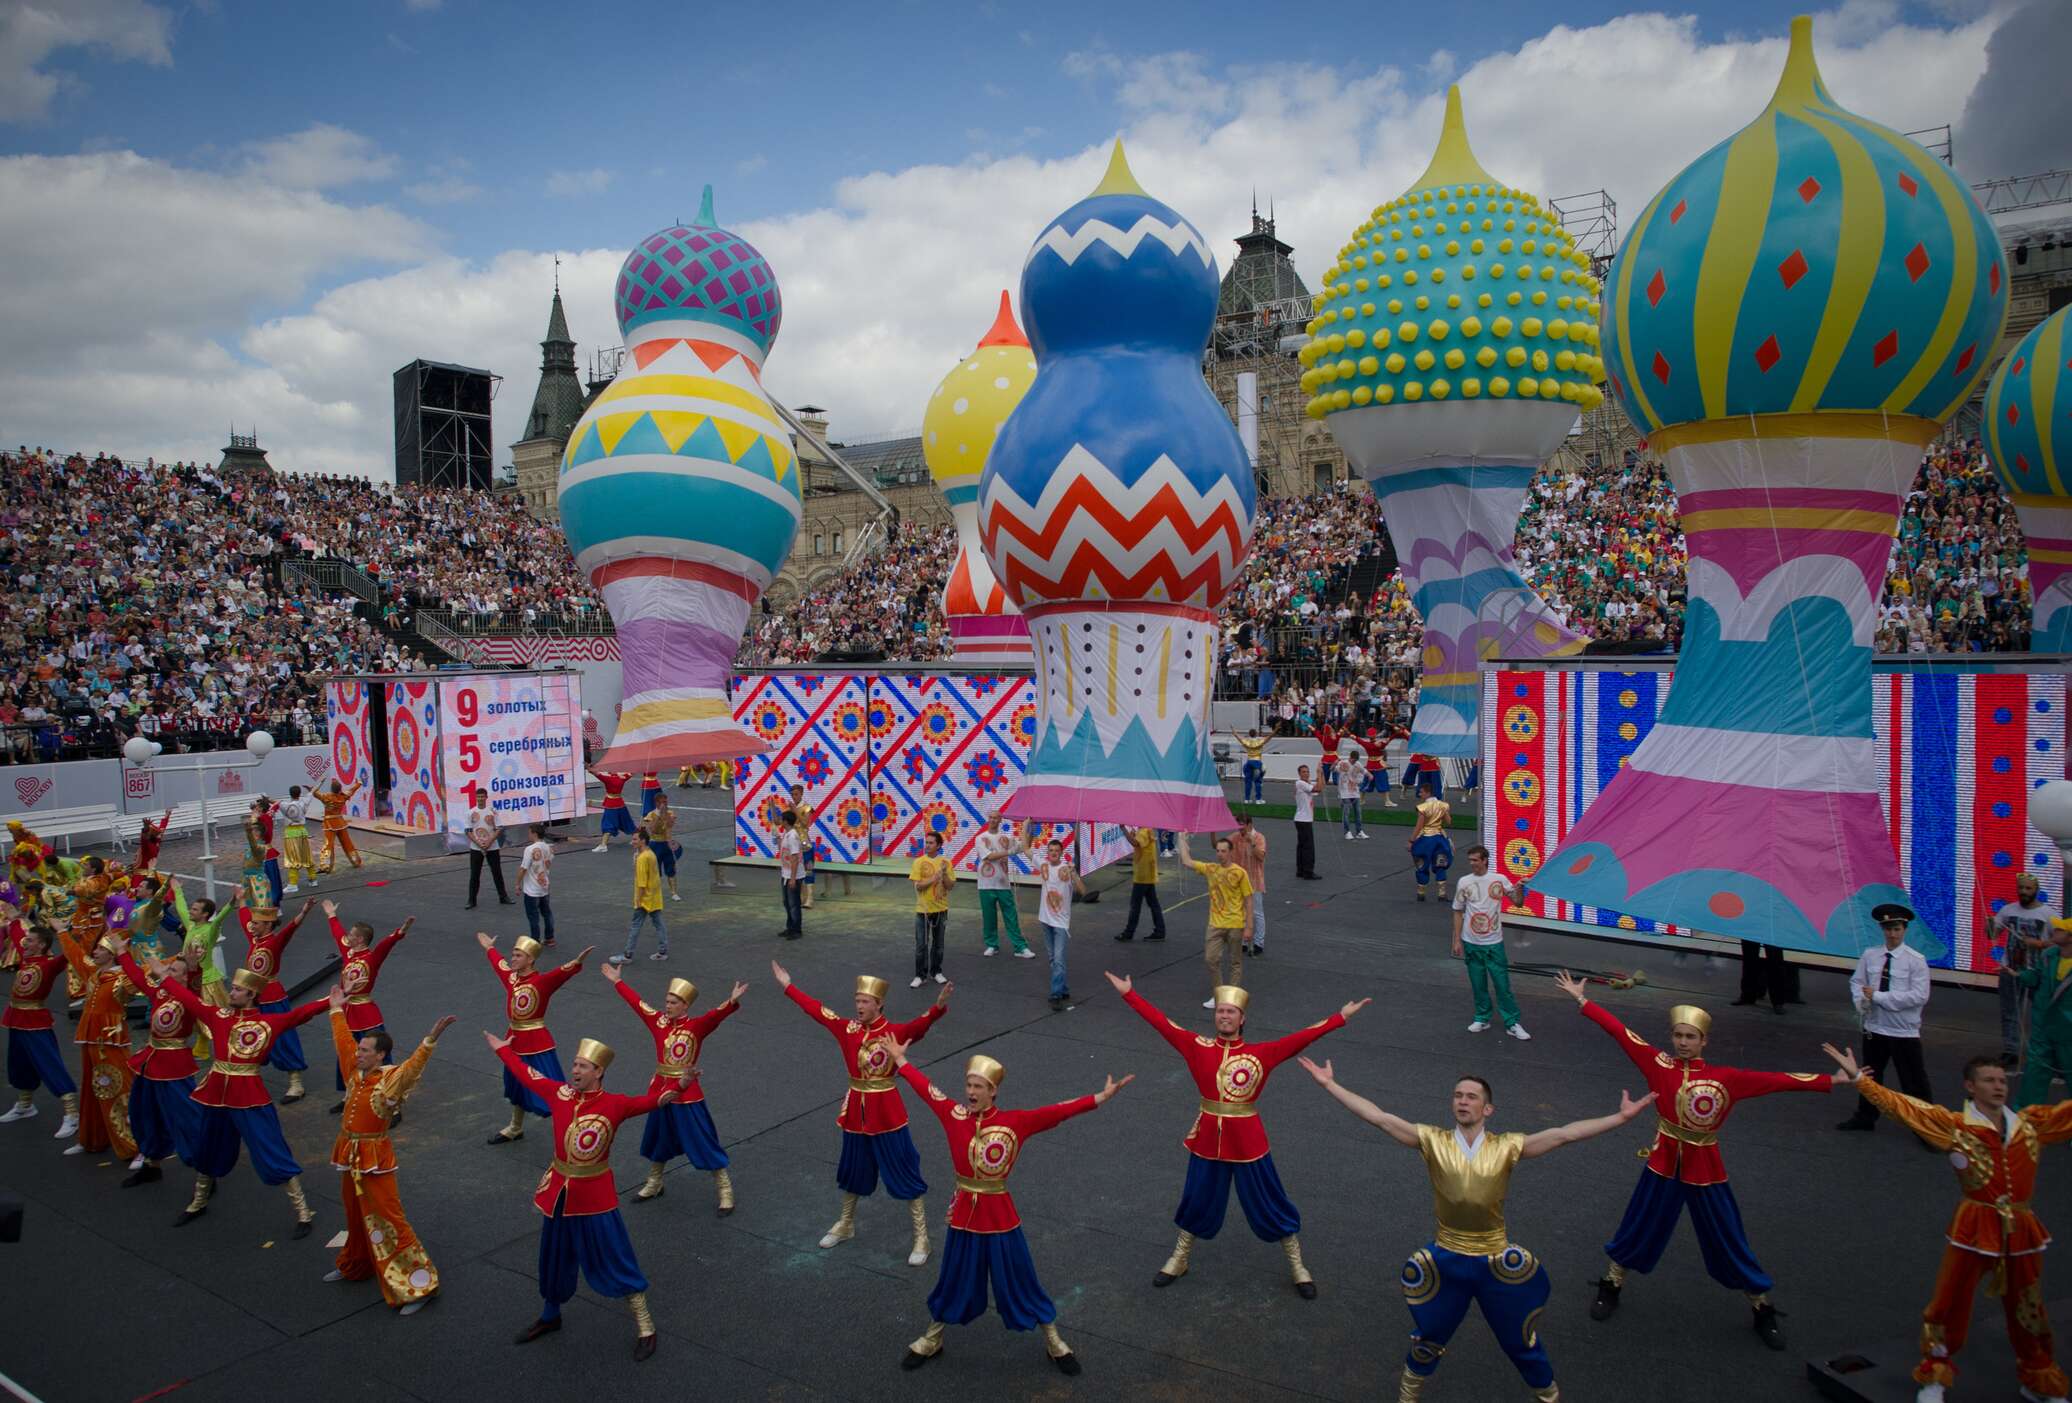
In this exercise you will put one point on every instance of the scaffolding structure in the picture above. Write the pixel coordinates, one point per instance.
(1592, 220)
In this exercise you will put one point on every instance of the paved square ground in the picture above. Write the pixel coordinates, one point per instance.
(108, 1301)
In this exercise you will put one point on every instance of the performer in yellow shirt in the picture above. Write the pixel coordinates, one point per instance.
(1254, 769)
(1144, 885)
(1230, 915)
(932, 876)
(1473, 1261)
(647, 899)
(1429, 844)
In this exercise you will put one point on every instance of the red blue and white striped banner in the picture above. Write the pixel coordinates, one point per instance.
(1958, 754)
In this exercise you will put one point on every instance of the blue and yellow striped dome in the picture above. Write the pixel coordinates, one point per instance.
(1461, 287)
(2029, 412)
(1814, 263)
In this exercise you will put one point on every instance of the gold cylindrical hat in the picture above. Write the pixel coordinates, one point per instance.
(266, 913)
(1695, 1016)
(106, 946)
(984, 1066)
(595, 1053)
(528, 945)
(249, 980)
(873, 986)
(685, 990)
(1232, 995)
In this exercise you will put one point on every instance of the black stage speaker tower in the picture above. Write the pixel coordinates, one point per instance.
(442, 425)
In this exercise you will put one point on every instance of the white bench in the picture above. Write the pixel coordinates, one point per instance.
(105, 822)
(60, 826)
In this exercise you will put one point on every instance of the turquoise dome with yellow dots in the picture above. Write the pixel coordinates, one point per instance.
(1460, 288)
(1813, 265)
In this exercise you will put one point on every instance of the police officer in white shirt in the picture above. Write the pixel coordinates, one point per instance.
(1890, 988)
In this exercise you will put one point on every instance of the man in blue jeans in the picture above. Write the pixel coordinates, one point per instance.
(1054, 909)
(2023, 926)
(533, 867)
(1254, 768)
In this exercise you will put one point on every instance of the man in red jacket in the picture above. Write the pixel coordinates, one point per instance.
(163, 1116)
(33, 1058)
(875, 1142)
(1228, 1144)
(684, 1127)
(527, 988)
(235, 1108)
(269, 941)
(985, 1243)
(360, 959)
(576, 1195)
(1693, 1098)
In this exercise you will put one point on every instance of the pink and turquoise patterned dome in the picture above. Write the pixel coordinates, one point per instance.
(2029, 412)
(699, 273)
(1815, 263)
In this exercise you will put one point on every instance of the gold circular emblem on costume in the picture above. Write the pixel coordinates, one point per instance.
(260, 960)
(589, 1140)
(1239, 1077)
(565, 1092)
(165, 1019)
(354, 977)
(1702, 1105)
(992, 1152)
(1200, 1041)
(25, 983)
(1531, 1333)
(525, 1001)
(679, 1046)
(1513, 1265)
(247, 1038)
(1420, 1277)
(106, 1082)
(874, 1058)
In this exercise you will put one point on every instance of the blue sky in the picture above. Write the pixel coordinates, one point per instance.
(330, 190)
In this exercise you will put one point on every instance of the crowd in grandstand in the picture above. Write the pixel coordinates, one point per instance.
(152, 598)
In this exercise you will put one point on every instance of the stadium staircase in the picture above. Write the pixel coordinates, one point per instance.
(1368, 574)
(332, 579)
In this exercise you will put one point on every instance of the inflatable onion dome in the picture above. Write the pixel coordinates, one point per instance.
(700, 273)
(1128, 271)
(2029, 412)
(1814, 264)
(1460, 288)
(972, 402)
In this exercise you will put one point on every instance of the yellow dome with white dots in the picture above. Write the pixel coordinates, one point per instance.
(966, 411)
(1459, 288)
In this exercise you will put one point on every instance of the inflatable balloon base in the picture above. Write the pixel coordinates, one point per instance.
(989, 640)
(1453, 527)
(1123, 694)
(678, 624)
(1763, 759)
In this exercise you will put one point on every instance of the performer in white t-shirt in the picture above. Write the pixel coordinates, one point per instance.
(533, 865)
(1352, 778)
(996, 848)
(1054, 909)
(1478, 939)
(1305, 825)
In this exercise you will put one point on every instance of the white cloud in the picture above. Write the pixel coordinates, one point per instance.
(319, 157)
(749, 165)
(448, 190)
(884, 286)
(32, 30)
(569, 184)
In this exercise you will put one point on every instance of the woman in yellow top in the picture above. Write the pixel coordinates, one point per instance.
(647, 897)
(1429, 844)
(1230, 914)
(932, 876)
(660, 820)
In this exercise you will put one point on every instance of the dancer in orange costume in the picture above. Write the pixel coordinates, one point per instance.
(104, 1048)
(379, 1240)
(89, 913)
(1994, 1236)
(336, 835)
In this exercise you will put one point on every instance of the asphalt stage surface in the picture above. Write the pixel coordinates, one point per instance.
(107, 1301)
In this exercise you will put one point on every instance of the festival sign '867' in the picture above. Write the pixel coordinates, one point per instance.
(515, 739)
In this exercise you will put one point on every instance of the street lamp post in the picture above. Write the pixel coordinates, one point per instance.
(2050, 809)
(140, 751)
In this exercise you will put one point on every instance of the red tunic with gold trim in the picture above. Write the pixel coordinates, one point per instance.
(525, 1001)
(242, 1038)
(584, 1125)
(1998, 1169)
(678, 1041)
(1230, 1074)
(1693, 1098)
(169, 1055)
(983, 1149)
(357, 973)
(872, 1106)
(28, 1002)
(266, 954)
